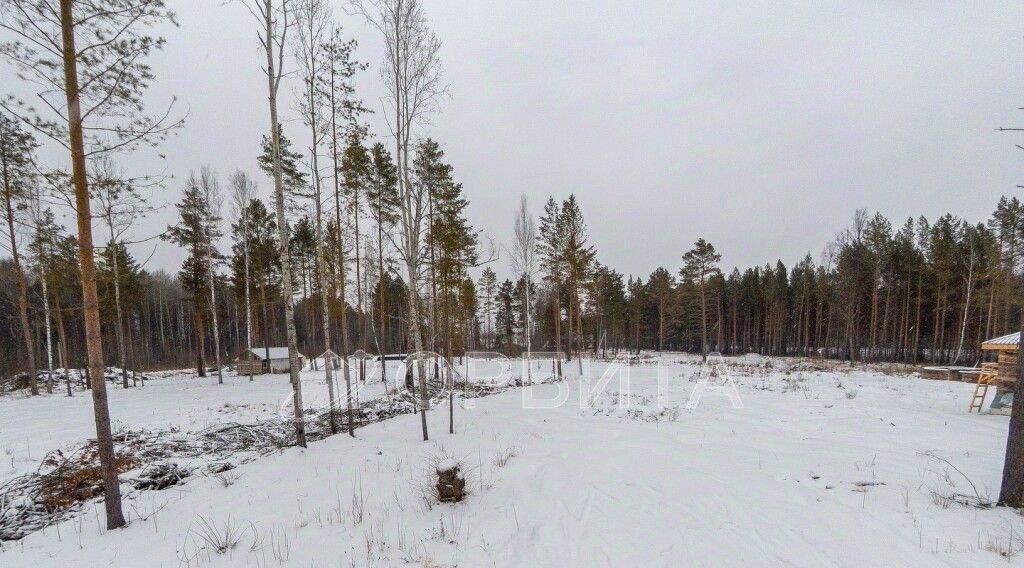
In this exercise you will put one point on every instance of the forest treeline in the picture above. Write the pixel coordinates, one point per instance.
(916, 291)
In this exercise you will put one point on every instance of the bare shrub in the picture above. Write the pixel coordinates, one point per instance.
(951, 493)
(358, 502)
(504, 456)
(219, 539)
(227, 479)
(280, 546)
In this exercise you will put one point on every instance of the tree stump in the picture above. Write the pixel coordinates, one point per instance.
(451, 487)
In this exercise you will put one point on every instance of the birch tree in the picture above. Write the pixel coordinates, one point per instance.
(243, 190)
(211, 194)
(43, 232)
(275, 18)
(57, 262)
(411, 72)
(524, 259)
(313, 20)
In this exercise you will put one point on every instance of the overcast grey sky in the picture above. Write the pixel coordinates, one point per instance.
(759, 126)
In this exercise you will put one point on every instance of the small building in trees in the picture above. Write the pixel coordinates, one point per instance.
(1005, 349)
(262, 360)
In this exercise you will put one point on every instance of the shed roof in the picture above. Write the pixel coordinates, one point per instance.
(275, 352)
(1008, 341)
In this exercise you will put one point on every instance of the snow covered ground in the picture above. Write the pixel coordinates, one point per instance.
(832, 467)
(32, 426)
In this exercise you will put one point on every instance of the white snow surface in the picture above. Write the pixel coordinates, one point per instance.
(841, 467)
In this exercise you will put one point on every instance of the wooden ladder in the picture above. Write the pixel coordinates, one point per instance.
(989, 372)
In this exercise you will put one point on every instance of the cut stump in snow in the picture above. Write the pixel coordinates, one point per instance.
(451, 486)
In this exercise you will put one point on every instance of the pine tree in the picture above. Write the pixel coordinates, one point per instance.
(197, 230)
(488, 287)
(452, 239)
(637, 301)
(551, 242)
(356, 169)
(17, 147)
(89, 61)
(661, 287)
(699, 264)
(505, 315)
(296, 181)
(577, 256)
(382, 203)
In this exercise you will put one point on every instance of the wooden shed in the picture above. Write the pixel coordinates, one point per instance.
(1006, 348)
(261, 360)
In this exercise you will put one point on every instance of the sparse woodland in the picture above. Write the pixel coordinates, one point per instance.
(919, 292)
(338, 237)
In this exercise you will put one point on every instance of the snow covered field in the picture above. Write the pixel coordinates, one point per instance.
(32, 426)
(833, 467)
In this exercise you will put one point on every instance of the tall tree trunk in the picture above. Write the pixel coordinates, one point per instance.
(359, 282)
(200, 334)
(967, 305)
(214, 326)
(321, 263)
(579, 326)
(1011, 493)
(248, 303)
(382, 346)
(273, 79)
(341, 262)
(62, 342)
(26, 331)
(90, 300)
(703, 323)
(558, 330)
(49, 328)
(917, 320)
(873, 339)
(118, 324)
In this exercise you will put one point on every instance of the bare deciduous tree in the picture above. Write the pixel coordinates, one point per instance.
(313, 19)
(275, 19)
(412, 77)
(41, 220)
(243, 190)
(524, 260)
(211, 192)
